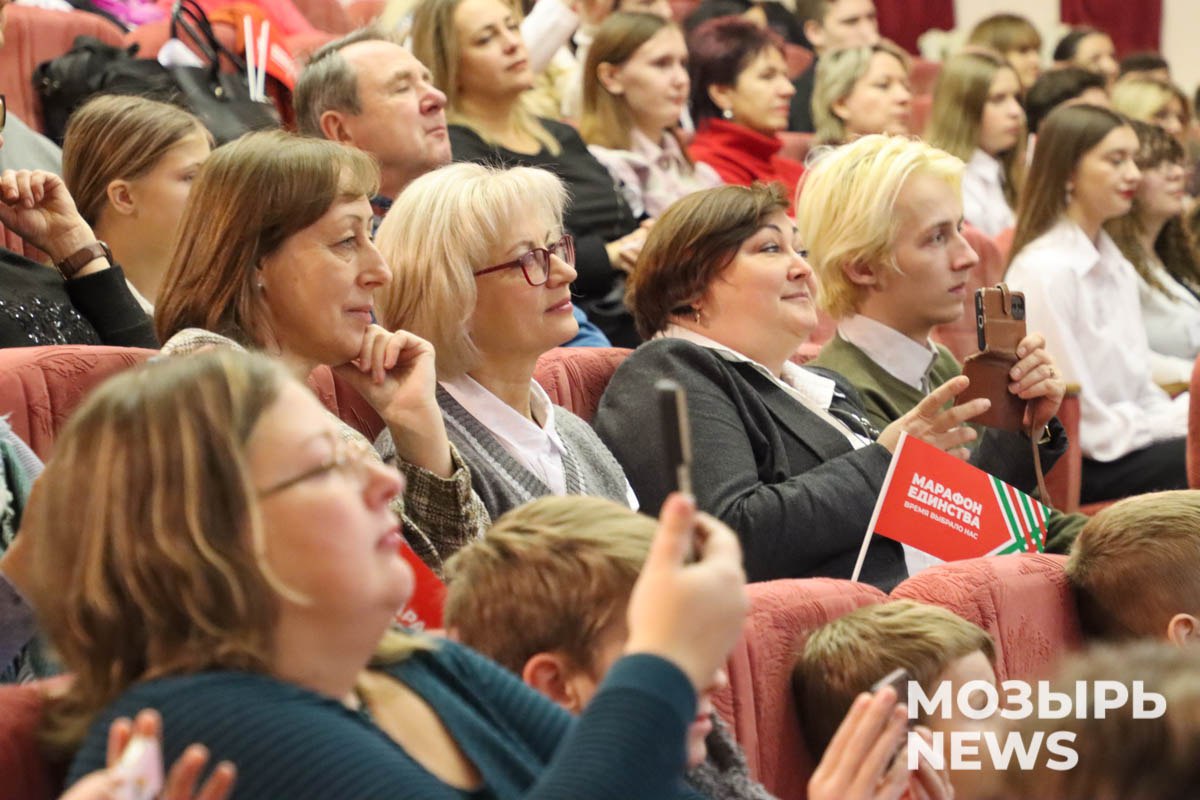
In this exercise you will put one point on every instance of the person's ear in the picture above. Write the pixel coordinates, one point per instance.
(840, 109)
(814, 31)
(334, 128)
(861, 274)
(553, 675)
(1183, 630)
(609, 76)
(722, 96)
(120, 197)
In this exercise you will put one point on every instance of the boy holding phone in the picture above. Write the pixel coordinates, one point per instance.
(882, 220)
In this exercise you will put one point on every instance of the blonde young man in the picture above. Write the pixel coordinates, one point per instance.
(828, 25)
(544, 594)
(1135, 568)
(882, 220)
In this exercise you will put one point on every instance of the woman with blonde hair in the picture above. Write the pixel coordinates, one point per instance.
(977, 116)
(1153, 236)
(1154, 101)
(275, 254)
(482, 269)
(1016, 39)
(129, 163)
(476, 55)
(635, 87)
(240, 580)
(1082, 293)
(861, 90)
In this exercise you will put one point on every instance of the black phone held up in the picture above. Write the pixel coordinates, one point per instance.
(677, 433)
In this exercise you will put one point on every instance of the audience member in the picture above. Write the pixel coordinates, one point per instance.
(1121, 752)
(86, 300)
(1083, 294)
(482, 269)
(1059, 86)
(1135, 569)
(1146, 64)
(1016, 39)
(476, 55)
(635, 87)
(781, 453)
(585, 553)
(977, 116)
(1089, 48)
(773, 15)
(367, 91)
(1154, 238)
(890, 272)
(861, 91)
(21, 659)
(24, 148)
(275, 254)
(739, 101)
(829, 25)
(1157, 102)
(259, 605)
(843, 658)
(129, 163)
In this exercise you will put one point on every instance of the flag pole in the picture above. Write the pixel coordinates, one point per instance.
(887, 480)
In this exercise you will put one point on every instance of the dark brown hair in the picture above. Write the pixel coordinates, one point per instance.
(718, 51)
(691, 244)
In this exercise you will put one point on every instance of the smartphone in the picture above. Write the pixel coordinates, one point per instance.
(677, 433)
(999, 319)
(140, 770)
(898, 679)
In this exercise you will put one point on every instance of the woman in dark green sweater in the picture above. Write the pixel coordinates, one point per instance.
(207, 545)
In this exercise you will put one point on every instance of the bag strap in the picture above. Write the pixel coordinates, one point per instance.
(1043, 492)
(188, 16)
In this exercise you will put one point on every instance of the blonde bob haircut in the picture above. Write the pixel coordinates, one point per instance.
(435, 44)
(251, 196)
(147, 541)
(443, 228)
(1136, 564)
(837, 73)
(1143, 98)
(846, 209)
(956, 118)
(113, 138)
(552, 575)
(845, 656)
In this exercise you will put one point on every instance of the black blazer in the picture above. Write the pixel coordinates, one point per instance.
(798, 494)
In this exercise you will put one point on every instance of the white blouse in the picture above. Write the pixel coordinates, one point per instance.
(1082, 296)
(984, 204)
(1172, 317)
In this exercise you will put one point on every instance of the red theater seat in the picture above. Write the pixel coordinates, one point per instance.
(575, 377)
(759, 704)
(24, 773)
(1024, 602)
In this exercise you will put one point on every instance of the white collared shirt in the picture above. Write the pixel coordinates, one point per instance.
(534, 444)
(804, 386)
(984, 204)
(1083, 297)
(898, 355)
(1172, 317)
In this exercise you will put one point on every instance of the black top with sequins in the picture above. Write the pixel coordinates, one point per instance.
(37, 307)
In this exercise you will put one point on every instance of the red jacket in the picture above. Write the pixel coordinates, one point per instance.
(741, 155)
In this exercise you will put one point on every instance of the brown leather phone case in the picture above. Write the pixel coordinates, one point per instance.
(1000, 328)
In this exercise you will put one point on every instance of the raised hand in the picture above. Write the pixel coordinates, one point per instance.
(940, 427)
(867, 758)
(689, 613)
(37, 206)
(396, 374)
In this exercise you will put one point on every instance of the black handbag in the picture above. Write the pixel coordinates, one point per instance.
(220, 99)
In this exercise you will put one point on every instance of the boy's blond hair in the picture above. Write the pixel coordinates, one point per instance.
(552, 575)
(1136, 564)
(846, 656)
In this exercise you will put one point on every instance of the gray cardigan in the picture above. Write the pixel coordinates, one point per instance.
(502, 482)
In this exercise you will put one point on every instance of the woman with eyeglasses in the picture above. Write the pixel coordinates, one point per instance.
(482, 270)
(275, 254)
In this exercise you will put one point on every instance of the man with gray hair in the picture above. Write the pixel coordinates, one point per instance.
(366, 90)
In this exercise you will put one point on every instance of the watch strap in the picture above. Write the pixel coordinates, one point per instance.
(82, 257)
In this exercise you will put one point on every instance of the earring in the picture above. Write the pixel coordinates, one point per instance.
(727, 113)
(696, 314)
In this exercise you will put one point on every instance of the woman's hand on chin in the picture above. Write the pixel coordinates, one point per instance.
(396, 374)
(941, 427)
